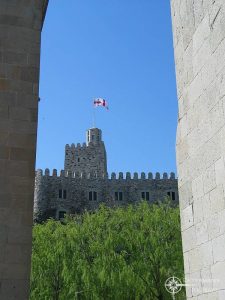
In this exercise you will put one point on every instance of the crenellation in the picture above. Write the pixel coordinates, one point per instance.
(121, 175)
(97, 175)
(172, 175)
(157, 175)
(165, 176)
(113, 176)
(128, 175)
(143, 176)
(150, 176)
(47, 172)
(135, 177)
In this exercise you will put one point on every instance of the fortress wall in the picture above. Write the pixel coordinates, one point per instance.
(199, 45)
(47, 202)
(20, 27)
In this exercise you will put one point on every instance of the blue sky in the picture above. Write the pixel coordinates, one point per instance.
(121, 51)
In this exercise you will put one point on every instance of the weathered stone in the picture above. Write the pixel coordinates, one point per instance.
(189, 239)
(206, 253)
(195, 260)
(207, 283)
(20, 27)
(199, 46)
(217, 199)
(218, 245)
(218, 274)
(202, 232)
(187, 219)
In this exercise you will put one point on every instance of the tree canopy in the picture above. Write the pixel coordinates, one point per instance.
(113, 253)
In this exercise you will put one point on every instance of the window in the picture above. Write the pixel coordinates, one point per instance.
(145, 196)
(93, 196)
(172, 195)
(62, 194)
(62, 215)
(78, 160)
(119, 196)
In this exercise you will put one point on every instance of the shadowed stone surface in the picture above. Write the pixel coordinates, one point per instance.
(20, 28)
(199, 45)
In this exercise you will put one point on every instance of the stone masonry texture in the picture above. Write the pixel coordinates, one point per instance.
(90, 157)
(199, 46)
(86, 172)
(20, 31)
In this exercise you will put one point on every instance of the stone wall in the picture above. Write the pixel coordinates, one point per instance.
(199, 45)
(77, 186)
(20, 27)
(88, 157)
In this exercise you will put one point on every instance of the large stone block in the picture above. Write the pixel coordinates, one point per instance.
(189, 239)
(218, 245)
(187, 218)
(201, 232)
(20, 33)
(206, 253)
(199, 39)
(218, 275)
(206, 279)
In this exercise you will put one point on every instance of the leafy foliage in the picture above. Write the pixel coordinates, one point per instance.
(120, 253)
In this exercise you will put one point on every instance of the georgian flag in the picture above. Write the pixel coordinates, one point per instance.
(101, 102)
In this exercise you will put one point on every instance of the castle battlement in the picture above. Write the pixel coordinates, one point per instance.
(84, 182)
(79, 146)
(114, 176)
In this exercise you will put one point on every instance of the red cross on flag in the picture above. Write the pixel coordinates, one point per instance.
(101, 102)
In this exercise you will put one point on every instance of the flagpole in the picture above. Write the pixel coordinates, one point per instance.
(94, 117)
(98, 102)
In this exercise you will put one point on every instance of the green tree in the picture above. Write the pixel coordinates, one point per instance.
(120, 253)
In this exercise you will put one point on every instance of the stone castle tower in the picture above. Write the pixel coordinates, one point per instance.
(88, 158)
(85, 183)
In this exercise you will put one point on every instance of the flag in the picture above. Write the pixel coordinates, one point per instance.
(101, 102)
